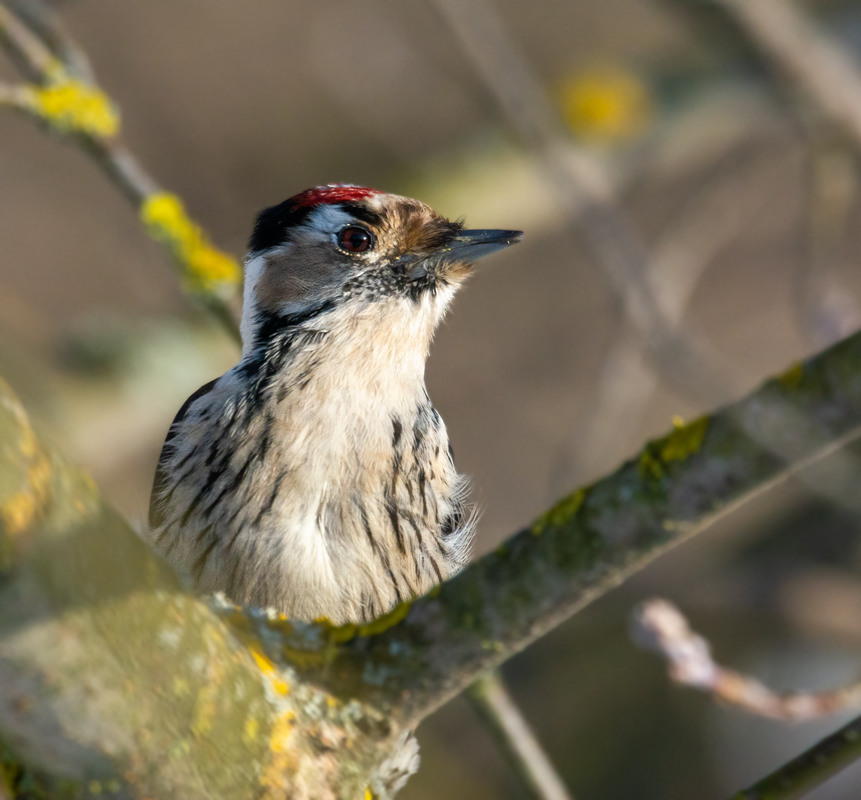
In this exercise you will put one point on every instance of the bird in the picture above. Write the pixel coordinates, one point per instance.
(315, 478)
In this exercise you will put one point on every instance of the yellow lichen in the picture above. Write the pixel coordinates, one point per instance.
(270, 671)
(606, 104)
(681, 443)
(250, 731)
(339, 634)
(791, 379)
(383, 623)
(71, 106)
(280, 766)
(206, 268)
(649, 466)
(685, 439)
(560, 514)
(19, 510)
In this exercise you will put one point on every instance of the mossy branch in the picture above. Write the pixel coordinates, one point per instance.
(590, 542)
(149, 690)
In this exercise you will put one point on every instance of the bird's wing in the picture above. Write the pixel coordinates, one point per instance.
(156, 508)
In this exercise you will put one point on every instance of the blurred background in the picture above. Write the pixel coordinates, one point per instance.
(741, 194)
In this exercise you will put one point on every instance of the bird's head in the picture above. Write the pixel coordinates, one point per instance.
(350, 247)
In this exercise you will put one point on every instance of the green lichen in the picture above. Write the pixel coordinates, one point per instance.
(792, 378)
(684, 441)
(562, 513)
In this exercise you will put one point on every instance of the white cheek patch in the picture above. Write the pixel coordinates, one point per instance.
(253, 270)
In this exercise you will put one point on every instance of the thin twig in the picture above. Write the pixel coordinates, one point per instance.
(514, 736)
(43, 22)
(812, 768)
(659, 626)
(29, 52)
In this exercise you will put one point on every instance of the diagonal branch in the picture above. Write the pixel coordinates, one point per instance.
(815, 766)
(424, 653)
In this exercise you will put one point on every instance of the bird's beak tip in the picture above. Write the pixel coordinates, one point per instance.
(471, 245)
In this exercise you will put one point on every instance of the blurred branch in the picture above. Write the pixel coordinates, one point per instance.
(813, 61)
(587, 544)
(659, 626)
(821, 71)
(24, 46)
(812, 768)
(586, 197)
(494, 703)
(695, 236)
(43, 22)
(68, 102)
(826, 310)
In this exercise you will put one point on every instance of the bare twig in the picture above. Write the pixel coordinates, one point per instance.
(659, 626)
(812, 768)
(29, 52)
(43, 22)
(515, 737)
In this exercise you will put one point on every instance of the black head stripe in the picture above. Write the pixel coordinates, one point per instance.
(363, 214)
(273, 224)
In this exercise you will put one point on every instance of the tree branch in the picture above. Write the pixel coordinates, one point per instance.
(424, 653)
(659, 626)
(812, 768)
(497, 707)
(113, 682)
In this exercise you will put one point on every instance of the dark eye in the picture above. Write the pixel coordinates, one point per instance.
(354, 239)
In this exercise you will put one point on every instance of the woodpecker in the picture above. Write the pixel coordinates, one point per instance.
(315, 477)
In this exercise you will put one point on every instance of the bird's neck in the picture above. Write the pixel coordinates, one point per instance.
(367, 360)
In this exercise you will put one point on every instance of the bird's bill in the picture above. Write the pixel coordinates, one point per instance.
(469, 246)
